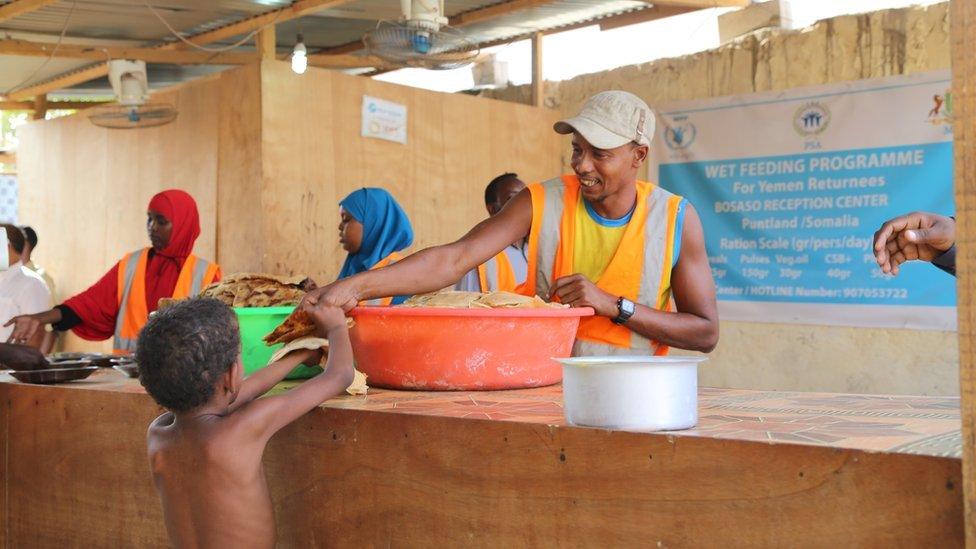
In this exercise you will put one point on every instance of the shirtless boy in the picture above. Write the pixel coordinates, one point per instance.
(205, 451)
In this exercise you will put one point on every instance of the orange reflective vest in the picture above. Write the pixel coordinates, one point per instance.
(195, 275)
(498, 273)
(388, 260)
(639, 271)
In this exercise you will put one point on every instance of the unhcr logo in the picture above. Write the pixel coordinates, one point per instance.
(811, 119)
(679, 134)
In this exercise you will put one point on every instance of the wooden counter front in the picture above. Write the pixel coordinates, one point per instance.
(501, 469)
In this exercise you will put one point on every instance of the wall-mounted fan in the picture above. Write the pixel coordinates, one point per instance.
(421, 38)
(131, 110)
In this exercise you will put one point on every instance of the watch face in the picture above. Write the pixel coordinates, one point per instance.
(627, 307)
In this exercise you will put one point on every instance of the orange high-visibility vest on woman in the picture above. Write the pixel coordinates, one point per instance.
(498, 274)
(639, 271)
(388, 260)
(195, 275)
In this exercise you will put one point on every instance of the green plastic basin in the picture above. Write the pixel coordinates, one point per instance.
(255, 323)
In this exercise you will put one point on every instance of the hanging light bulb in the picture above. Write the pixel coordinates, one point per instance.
(299, 57)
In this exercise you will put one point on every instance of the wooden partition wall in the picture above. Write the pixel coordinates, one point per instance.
(268, 154)
(313, 156)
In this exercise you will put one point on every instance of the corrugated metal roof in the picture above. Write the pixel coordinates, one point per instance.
(131, 20)
(322, 31)
(160, 76)
(547, 17)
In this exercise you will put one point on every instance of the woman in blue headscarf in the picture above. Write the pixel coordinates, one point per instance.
(372, 228)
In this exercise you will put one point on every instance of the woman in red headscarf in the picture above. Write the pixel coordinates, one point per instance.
(118, 305)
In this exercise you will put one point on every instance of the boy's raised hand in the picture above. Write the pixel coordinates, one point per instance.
(326, 318)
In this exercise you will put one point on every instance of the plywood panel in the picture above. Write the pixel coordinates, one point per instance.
(423, 481)
(518, 139)
(468, 165)
(426, 175)
(79, 477)
(454, 147)
(298, 170)
(240, 214)
(78, 469)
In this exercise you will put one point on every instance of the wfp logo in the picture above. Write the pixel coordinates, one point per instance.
(679, 135)
(811, 119)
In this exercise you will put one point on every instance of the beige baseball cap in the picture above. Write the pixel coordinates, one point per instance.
(610, 119)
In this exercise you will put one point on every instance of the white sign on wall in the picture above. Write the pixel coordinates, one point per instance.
(384, 120)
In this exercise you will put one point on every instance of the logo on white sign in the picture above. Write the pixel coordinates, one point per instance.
(384, 120)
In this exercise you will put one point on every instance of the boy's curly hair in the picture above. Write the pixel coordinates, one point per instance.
(184, 348)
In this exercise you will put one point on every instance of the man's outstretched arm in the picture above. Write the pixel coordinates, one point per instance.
(433, 268)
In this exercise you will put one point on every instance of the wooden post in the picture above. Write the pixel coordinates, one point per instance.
(538, 84)
(962, 17)
(265, 42)
(40, 107)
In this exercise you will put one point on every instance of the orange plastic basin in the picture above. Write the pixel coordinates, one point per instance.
(440, 349)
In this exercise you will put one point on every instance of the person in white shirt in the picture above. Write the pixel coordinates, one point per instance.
(51, 336)
(22, 291)
(27, 258)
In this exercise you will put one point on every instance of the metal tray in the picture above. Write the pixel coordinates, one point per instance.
(53, 375)
(127, 365)
(96, 359)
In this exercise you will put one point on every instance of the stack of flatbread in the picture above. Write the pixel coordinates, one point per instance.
(259, 290)
(477, 300)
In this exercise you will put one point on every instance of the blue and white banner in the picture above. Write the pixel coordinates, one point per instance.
(792, 185)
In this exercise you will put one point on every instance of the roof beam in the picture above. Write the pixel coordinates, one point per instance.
(51, 105)
(16, 105)
(641, 16)
(342, 61)
(296, 9)
(19, 7)
(701, 4)
(40, 107)
(77, 76)
(149, 55)
(266, 42)
(538, 83)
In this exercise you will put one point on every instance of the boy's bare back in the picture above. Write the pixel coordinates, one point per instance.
(206, 462)
(211, 482)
